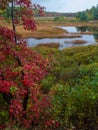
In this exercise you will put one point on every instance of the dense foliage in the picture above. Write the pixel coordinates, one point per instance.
(89, 14)
(21, 70)
(82, 16)
(73, 86)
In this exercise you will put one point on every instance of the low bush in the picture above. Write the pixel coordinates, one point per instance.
(73, 85)
(76, 108)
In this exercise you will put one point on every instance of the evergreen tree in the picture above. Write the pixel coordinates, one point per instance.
(82, 16)
(95, 13)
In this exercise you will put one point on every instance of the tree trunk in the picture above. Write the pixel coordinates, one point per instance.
(12, 18)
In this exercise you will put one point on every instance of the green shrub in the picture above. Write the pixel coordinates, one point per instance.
(59, 19)
(47, 83)
(73, 85)
(67, 65)
(76, 107)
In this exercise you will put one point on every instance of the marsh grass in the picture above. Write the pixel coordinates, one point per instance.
(45, 29)
(79, 41)
(76, 42)
(51, 45)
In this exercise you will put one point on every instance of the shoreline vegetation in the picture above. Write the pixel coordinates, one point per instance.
(77, 41)
(56, 45)
(51, 45)
(45, 29)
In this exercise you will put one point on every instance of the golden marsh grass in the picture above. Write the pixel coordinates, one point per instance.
(45, 29)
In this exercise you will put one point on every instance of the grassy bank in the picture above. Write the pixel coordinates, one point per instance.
(45, 29)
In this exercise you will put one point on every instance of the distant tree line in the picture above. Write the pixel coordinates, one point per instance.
(89, 14)
(58, 14)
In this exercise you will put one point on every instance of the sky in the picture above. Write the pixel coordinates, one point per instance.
(66, 5)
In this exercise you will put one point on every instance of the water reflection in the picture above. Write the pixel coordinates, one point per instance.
(82, 29)
(79, 29)
(95, 36)
(64, 42)
(67, 42)
(86, 29)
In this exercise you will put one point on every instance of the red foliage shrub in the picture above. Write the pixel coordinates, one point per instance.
(21, 71)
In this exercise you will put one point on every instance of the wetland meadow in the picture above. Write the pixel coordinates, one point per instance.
(48, 65)
(71, 51)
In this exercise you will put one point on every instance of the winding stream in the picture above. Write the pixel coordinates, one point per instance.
(65, 42)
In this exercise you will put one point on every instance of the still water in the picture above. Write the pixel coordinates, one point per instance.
(66, 42)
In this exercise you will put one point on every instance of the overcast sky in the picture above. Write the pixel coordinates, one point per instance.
(66, 5)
